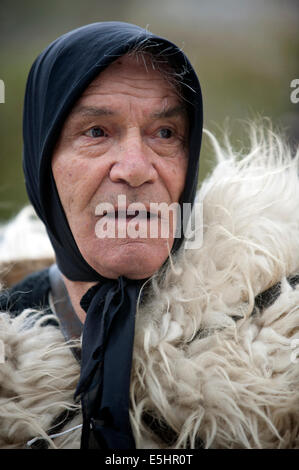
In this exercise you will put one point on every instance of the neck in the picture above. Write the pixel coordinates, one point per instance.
(76, 290)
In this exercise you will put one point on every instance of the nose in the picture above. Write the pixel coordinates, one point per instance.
(133, 165)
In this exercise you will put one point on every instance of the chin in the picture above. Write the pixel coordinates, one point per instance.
(132, 259)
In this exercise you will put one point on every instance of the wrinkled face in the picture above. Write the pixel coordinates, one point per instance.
(126, 136)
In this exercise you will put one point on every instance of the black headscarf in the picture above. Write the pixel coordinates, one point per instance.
(56, 80)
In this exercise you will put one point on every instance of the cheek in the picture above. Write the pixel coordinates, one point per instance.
(174, 178)
(76, 180)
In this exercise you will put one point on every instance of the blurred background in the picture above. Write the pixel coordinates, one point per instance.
(245, 53)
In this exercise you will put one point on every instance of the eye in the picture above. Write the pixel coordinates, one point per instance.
(96, 132)
(165, 133)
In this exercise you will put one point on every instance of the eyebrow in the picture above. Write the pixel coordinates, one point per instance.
(103, 111)
(177, 110)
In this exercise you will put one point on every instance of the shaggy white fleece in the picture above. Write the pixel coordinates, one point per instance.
(37, 381)
(202, 363)
(230, 383)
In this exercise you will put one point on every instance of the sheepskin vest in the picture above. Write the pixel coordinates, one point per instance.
(217, 336)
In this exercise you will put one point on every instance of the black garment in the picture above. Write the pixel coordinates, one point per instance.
(31, 292)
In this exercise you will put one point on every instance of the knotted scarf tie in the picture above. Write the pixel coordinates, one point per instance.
(106, 360)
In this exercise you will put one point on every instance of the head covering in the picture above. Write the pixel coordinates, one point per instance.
(56, 80)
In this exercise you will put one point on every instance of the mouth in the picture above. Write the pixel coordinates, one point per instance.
(147, 221)
(125, 214)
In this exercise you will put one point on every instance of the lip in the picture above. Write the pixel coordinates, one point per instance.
(131, 214)
(143, 211)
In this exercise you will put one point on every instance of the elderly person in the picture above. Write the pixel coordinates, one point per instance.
(179, 348)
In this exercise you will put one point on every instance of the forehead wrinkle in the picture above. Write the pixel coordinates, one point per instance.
(141, 79)
(123, 87)
(166, 112)
(93, 111)
(124, 75)
(170, 111)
